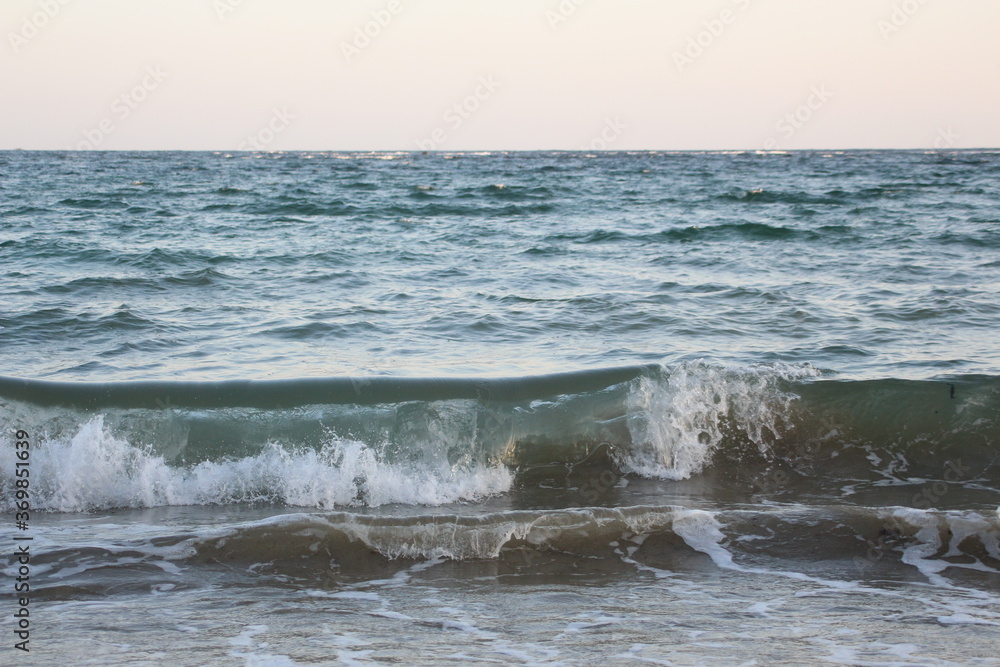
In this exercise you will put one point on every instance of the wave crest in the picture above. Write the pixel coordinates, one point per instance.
(94, 469)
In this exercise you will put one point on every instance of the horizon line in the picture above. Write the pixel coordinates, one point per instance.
(929, 149)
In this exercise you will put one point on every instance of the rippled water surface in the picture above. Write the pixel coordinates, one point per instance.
(502, 408)
(201, 265)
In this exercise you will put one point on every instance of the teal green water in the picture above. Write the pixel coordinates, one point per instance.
(515, 408)
(207, 266)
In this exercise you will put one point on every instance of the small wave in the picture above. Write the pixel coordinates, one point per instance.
(435, 209)
(197, 278)
(595, 236)
(982, 240)
(24, 211)
(853, 544)
(762, 196)
(53, 324)
(517, 192)
(296, 207)
(751, 231)
(100, 284)
(318, 330)
(94, 204)
(159, 259)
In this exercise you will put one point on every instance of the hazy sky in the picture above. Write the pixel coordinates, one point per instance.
(499, 74)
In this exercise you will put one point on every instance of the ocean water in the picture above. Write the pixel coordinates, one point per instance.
(500, 408)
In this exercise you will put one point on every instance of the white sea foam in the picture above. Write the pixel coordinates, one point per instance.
(702, 532)
(676, 423)
(928, 552)
(94, 469)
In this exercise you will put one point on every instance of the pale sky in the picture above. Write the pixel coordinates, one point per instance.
(499, 74)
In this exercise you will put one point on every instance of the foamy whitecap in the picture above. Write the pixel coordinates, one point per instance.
(676, 423)
(94, 469)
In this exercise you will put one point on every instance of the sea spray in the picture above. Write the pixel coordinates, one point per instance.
(678, 420)
(94, 469)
